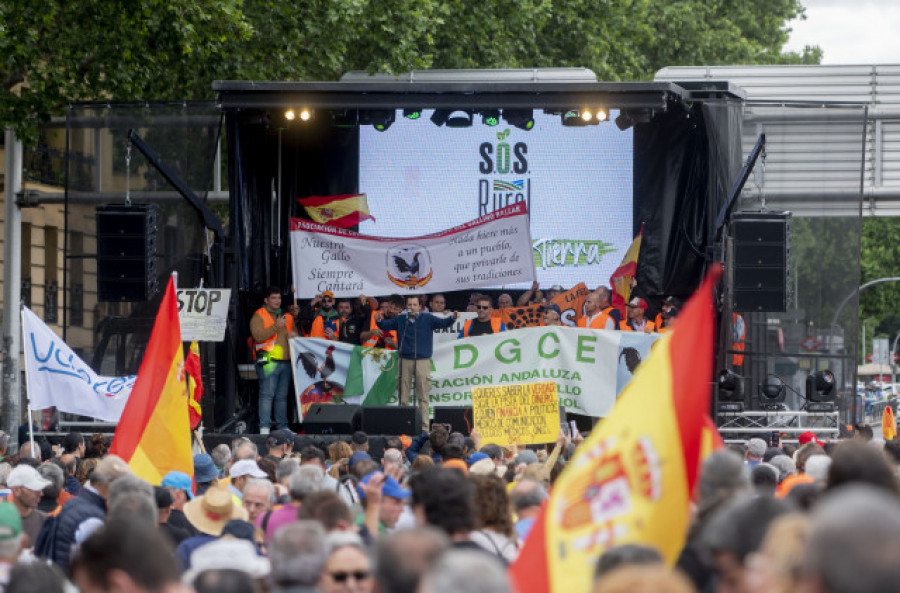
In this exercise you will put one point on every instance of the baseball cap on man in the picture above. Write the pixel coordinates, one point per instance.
(10, 521)
(328, 294)
(391, 487)
(25, 476)
(179, 481)
(357, 457)
(808, 437)
(246, 467)
(637, 302)
(277, 438)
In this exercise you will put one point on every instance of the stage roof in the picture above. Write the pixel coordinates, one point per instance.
(550, 89)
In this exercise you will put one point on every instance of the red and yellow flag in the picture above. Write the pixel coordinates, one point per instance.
(621, 278)
(154, 434)
(632, 480)
(343, 211)
(195, 383)
(888, 425)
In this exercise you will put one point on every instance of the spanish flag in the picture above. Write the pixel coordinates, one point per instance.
(888, 426)
(632, 480)
(343, 211)
(621, 278)
(195, 383)
(154, 434)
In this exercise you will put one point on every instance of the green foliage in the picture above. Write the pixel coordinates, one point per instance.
(57, 51)
(881, 259)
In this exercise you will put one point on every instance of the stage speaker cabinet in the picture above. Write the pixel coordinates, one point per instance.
(391, 420)
(332, 419)
(126, 252)
(762, 261)
(458, 417)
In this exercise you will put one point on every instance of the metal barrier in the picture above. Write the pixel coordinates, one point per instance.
(823, 424)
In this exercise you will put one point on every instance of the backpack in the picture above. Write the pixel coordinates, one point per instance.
(45, 543)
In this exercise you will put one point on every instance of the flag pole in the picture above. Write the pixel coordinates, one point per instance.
(27, 392)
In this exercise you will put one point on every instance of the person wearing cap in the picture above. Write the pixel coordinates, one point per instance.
(484, 323)
(278, 443)
(208, 514)
(239, 473)
(27, 486)
(205, 472)
(552, 315)
(383, 500)
(599, 314)
(326, 321)
(809, 437)
(670, 304)
(270, 329)
(11, 535)
(180, 487)
(636, 322)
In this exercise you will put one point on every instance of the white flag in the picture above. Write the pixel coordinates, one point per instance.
(56, 376)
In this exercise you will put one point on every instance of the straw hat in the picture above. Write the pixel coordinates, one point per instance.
(209, 513)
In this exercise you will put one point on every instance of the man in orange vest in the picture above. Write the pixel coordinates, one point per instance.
(671, 303)
(270, 329)
(598, 312)
(327, 322)
(636, 322)
(738, 335)
(484, 324)
(375, 337)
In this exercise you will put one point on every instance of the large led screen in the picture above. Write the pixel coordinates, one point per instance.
(422, 178)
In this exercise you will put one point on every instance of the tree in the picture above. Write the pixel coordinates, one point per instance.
(56, 52)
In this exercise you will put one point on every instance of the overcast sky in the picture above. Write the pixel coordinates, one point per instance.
(850, 31)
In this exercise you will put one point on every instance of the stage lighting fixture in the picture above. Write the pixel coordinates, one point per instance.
(771, 395)
(305, 114)
(624, 121)
(380, 119)
(631, 117)
(412, 113)
(601, 115)
(586, 115)
(575, 118)
(519, 118)
(452, 118)
(290, 114)
(490, 117)
(820, 386)
(731, 386)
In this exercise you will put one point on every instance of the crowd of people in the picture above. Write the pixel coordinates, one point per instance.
(435, 513)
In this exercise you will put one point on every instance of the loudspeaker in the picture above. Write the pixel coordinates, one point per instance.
(332, 419)
(391, 420)
(458, 417)
(126, 252)
(761, 256)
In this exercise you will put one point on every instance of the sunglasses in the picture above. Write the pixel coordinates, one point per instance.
(482, 307)
(358, 575)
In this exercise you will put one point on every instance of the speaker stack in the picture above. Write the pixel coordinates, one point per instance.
(126, 252)
(761, 250)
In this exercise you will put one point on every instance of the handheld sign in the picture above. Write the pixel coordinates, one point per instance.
(522, 413)
(203, 313)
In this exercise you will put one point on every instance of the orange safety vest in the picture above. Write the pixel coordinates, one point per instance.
(373, 341)
(318, 327)
(738, 335)
(495, 326)
(269, 321)
(599, 321)
(649, 328)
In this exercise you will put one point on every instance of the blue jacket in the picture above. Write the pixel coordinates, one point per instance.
(415, 335)
(87, 505)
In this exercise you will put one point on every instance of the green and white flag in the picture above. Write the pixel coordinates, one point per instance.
(335, 372)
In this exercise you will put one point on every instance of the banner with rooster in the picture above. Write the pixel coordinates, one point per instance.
(493, 250)
(338, 373)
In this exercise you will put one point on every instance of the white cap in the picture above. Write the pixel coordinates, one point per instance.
(246, 467)
(26, 476)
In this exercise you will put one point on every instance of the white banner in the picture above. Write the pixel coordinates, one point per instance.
(203, 313)
(56, 376)
(590, 367)
(450, 334)
(492, 250)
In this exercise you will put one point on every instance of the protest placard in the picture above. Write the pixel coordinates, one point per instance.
(521, 413)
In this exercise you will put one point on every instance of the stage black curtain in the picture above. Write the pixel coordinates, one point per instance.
(685, 161)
